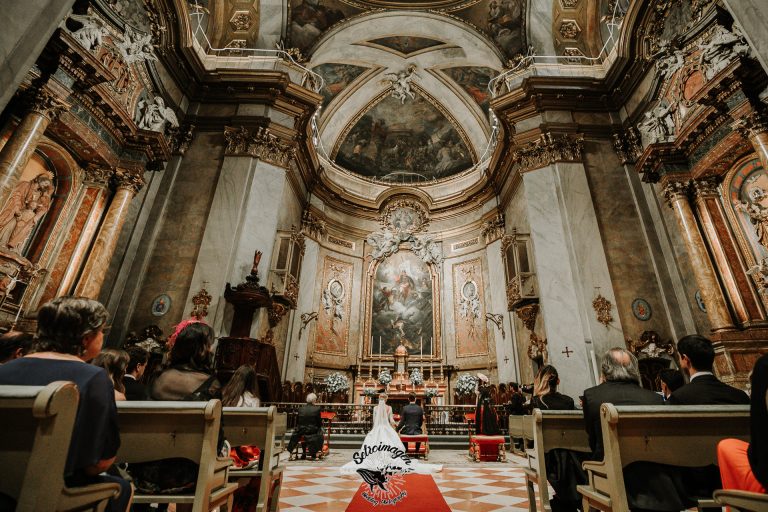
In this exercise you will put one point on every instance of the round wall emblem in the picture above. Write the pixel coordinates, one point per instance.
(641, 309)
(161, 305)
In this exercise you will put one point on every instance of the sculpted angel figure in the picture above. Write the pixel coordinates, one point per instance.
(383, 244)
(401, 83)
(670, 60)
(153, 115)
(136, 47)
(718, 52)
(27, 205)
(426, 249)
(657, 125)
(92, 33)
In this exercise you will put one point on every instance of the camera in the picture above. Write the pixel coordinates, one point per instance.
(527, 388)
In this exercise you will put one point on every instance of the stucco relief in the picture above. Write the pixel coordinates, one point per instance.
(333, 320)
(469, 309)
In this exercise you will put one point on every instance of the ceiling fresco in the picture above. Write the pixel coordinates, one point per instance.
(403, 142)
(474, 81)
(503, 21)
(336, 78)
(406, 45)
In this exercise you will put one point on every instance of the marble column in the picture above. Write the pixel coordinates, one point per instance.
(128, 184)
(96, 183)
(754, 126)
(570, 266)
(15, 155)
(676, 194)
(505, 357)
(299, 345)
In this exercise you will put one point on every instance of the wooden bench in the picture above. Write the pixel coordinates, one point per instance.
(551, 429)
(677, 435)
(742, 501)
(163, 430)
(262, 427)
(35, 433)
(520, 428)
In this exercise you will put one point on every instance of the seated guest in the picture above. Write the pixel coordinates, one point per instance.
(14, 344)
(671, 380)
(696, 359)
(310, 425)
(188, 374)
(516, 404)
(411, 419)
(242, 389)
(115, 361)
(134, 389)
(545, 395)
(69, 333)
(745, 466)
(486, 422)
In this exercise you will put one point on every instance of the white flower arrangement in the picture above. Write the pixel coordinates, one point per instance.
(336, 383)
(466, 385)
(370, 392)
(385, 377)
(417, 379)
(431, 392)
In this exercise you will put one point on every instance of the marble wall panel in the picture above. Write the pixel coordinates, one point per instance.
(298, 341)
(333, 320)
(506, 354)
(469, 309)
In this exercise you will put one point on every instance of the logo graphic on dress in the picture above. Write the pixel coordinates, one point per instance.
(382, 468)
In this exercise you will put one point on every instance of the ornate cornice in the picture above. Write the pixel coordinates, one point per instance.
(528, 315)
(628, 145)
(128, 181)
(97, 176)
(676, 191)
(259, 143)
(181, 138)
(548, 149)
(752, 124)
(313, 226)
(493, 229)
(47, 104)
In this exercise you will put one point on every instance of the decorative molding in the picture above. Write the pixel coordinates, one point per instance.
(201, 300)
(493, 229)
(97, 176)
(291, 291)
(47, 104)
(276, 311)
(498, 321)
(260, 143)
(404, 214)
(628, 145)
(457, 246)
(569, 29)
(528, 315)
(128, 180)
(602, 307)
(548, 149)
(313, 226)
(707, 187)
(181, 138)
(752, 124)
(676, 191)
(240, 21)
(537, 348)
(341, 242)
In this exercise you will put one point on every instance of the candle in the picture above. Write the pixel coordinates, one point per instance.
(15, 320)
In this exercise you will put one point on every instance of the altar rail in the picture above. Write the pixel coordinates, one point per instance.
(358, 419)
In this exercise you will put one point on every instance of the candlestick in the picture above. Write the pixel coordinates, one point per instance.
(15, 320)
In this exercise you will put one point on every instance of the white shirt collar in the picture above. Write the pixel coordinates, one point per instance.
(700, 374)
(130, 376)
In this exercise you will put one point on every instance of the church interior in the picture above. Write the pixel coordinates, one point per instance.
(426, 198)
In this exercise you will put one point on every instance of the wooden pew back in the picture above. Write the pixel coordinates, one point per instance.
(676, 435)
(162, 430)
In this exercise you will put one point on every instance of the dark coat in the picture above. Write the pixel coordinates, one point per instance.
(516, 404)
(553, 401)
(411, 418)
(707, 390)
(309, 420)
(758, 443)
(134, 390)
(617, 393)
(486, 422)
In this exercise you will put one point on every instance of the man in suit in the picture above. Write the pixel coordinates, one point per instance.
(309, 425)
(134, 389)
(411, 419)
(696, 359)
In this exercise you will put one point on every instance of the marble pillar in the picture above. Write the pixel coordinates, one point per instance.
(22, 143)
(95, 270)
(96, 184)
(243, 218)
(571, 269)
(296, 350)
(505, 357)
(676, 194)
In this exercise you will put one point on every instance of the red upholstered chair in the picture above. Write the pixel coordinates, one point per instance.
(487, 448)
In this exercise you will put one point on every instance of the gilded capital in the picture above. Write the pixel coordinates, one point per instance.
(753, 124)
(676, 191)
(97, 176)
(628, 145)
(259, 143)
(47, 104)
(706, 187)
(548, 149)
(128, 181)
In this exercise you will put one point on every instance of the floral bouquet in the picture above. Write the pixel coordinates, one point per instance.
(431, 392)
(417, 379)
(336, 383)
(385, 377)
(466, 385)
(370, 392)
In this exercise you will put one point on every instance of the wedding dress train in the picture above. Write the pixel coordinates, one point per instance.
(382, 451)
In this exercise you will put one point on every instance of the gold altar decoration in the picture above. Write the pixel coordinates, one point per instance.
(602, 307)
(201, 300)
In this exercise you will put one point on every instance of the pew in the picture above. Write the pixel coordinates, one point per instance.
(162, 430)
(35, 433)
(742, 501)
(680, 436)
(551, 429)
(520, 427)
(262, 427)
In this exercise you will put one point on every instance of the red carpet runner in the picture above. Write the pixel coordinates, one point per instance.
(405, 493)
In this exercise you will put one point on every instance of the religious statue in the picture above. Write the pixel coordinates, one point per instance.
(154, 115)
(401, 83)
(426, 249)
(28, 203)
(92, 33)
(670, 61)
(333, 302)
(756, 208)
(760, 274)
(256, 260)
(384, 244)
(658, 125)
(136, 47)
(721, 49)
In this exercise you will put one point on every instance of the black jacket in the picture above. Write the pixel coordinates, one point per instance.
(617, 393)
(411, 418)
(707, 390)
(758, 443)
(309, 420)
(553, 401)
(134, 390)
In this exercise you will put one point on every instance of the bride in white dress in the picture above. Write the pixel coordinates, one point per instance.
(382, 451)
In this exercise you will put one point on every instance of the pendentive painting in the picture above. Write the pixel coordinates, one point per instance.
(332, 332)
(469, 309)
(474, 80)
(336, 77)
(402, 305)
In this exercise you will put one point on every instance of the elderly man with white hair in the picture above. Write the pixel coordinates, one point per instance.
(310, 425)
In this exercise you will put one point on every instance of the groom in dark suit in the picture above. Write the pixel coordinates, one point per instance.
(411, 419)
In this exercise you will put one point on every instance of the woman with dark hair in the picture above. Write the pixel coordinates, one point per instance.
(69, 333)
(486, 422)
(15, 344)
(242, 389)
(115, 361)
(545, 394)
(188, 374)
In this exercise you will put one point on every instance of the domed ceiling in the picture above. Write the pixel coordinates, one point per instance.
(405, 94)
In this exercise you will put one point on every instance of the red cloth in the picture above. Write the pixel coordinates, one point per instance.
(734, 466)
(421, 494)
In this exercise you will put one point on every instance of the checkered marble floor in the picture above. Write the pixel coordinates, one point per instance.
(479, 489)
